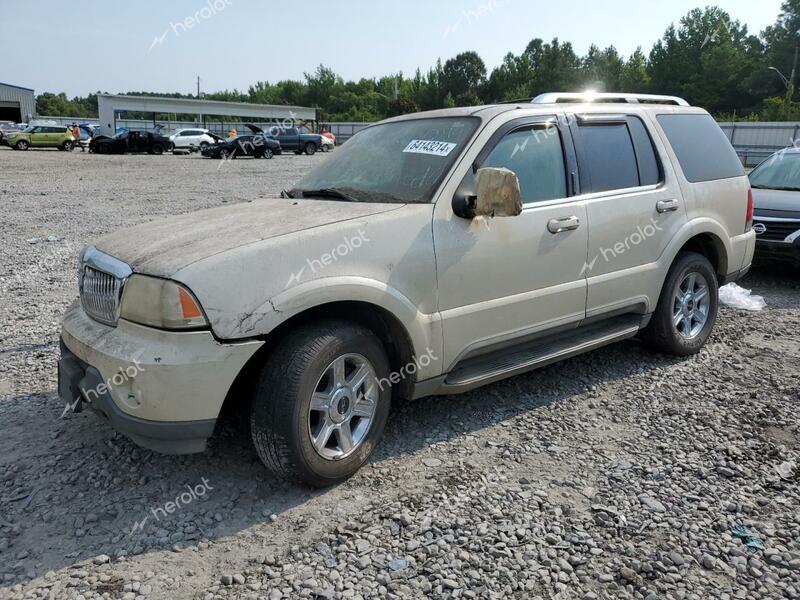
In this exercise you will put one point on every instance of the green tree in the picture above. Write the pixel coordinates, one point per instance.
(464, 74)
(634, 77)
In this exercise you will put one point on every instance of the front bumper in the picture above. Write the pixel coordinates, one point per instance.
(162, 389)
(778, 252)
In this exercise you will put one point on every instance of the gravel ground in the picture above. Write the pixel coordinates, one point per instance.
(618, 474)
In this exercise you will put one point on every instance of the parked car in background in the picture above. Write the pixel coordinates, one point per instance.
(40, 136)
(292, 140)
(130, 141)
(378, 277)
(776, 197)
(255, 145)
(87, 132)
(6, 128)
(328, 142)
(193, 138)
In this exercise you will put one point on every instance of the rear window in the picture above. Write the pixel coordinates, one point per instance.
(703, 151)
(609, 157)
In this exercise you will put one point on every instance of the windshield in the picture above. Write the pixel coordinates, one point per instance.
(779, 172)
(404, 161)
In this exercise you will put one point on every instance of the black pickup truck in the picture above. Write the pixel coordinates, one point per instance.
(292, 140)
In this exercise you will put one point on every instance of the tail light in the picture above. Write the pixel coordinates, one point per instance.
(749, 217)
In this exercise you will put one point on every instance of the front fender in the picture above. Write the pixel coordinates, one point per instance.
(424, 330)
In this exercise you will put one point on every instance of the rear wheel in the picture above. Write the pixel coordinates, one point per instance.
(67, 146)
(22, 145)
(311, 148)
(319, 409)
(267, 153)
(687, 308)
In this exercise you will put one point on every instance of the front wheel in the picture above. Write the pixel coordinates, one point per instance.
(157, 149)
(67, 147)
(22, 145)
(687, 308)
(321, 402)
(311, 148)
(267, 153)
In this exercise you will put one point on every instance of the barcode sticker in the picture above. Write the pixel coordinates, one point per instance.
(429, 147)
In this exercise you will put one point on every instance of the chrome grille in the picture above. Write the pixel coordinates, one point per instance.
(100, 295)
(775, 231)
(101, 280)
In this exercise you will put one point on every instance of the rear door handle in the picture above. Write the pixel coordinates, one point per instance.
(665, 206)
(562, 225)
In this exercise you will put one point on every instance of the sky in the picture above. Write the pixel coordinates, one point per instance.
(84, 46)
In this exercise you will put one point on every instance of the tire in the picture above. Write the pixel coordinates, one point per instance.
(203, 146)
(283, 422)
(223, 154)
(67, 146)
(157, 149)
(268, 154)
(22, 145)
(324, 148)
(694, 313)
(311, 149)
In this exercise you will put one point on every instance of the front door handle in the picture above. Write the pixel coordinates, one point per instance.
(562, 225)
(665, 206)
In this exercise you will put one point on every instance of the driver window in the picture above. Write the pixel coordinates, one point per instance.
(536, 155)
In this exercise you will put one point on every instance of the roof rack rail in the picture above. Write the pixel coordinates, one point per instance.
(556, 97)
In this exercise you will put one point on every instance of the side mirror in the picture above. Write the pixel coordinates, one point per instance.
(497, 194)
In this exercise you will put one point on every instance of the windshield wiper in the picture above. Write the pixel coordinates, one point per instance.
(330, 193)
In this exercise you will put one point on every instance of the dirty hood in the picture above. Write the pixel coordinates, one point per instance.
(165, 246)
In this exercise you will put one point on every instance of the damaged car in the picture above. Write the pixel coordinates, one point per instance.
(431, 254)
(125, 141)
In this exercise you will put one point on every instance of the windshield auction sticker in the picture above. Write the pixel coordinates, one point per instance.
(429, 147)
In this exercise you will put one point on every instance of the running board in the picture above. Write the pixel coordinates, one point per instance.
(481, 370)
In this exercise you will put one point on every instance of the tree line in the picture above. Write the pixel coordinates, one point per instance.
(708, 57)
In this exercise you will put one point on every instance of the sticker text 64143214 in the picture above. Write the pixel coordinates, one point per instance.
(430, 147)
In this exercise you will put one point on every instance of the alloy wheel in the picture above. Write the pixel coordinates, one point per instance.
(691, 305)
(342, 407)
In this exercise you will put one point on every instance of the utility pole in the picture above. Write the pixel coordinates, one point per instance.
(198, 83)
(790, 91)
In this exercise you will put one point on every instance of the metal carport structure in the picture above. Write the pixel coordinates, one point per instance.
(109, 105)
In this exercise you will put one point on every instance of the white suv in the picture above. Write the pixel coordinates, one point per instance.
(197, 138)
(431, 254)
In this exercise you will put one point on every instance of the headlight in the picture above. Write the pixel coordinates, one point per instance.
(160, 303)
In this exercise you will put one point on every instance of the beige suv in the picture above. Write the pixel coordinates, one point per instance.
(431, 254)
